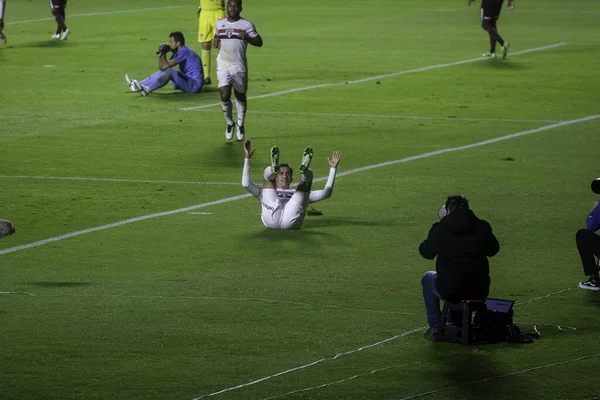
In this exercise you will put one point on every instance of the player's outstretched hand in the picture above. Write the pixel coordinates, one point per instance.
(335, 159)
(249, 150)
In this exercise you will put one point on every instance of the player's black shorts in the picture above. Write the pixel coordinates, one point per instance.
(491, 9)
(58, 4)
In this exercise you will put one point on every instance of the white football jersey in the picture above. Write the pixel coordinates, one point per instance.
(232, 53)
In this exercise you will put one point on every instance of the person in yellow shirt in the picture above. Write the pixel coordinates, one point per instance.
(208, 13)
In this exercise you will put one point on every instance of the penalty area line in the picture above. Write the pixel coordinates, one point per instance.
(349, 172)
(372, 78)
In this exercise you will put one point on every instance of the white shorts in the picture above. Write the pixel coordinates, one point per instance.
(237, 79)
(276, 215)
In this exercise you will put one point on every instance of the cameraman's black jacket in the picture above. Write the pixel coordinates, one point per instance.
(462, 243)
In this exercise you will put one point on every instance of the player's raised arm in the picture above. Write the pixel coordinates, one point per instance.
(318, 195)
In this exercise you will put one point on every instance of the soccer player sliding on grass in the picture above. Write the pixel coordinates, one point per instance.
(282, 207)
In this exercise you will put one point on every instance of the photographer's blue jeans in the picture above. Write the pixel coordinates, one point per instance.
(432, 298)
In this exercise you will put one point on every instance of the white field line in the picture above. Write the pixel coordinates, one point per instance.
(373, 78)
(469, 146)
(493, 378)
(346, 379)
(345, 353)
(69, 178)
(324, 385)
(518, 303)
(312, 114)
(121, 223)
(96, 14)
(352, 171)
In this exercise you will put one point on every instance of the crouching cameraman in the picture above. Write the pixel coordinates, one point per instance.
(462, 244)
(188, 79)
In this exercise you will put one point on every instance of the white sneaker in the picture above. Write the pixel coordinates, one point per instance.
(135, 86)
(65, 35)
(130, 83)
(143, 90)
(56, 36)
(505, 50)
(240, 132)
(229, 132)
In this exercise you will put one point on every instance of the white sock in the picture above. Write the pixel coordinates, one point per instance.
(228, 112)
(269, 175)
(241, 111)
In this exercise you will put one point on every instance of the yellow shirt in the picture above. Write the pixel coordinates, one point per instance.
(212, 5)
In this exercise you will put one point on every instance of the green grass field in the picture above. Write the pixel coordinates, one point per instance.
(140, 270)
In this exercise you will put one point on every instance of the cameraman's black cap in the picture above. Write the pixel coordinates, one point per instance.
(596, 186)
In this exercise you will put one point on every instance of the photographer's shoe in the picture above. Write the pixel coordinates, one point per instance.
(591, 284)
(229, 132)
(306, 159)
(430, 334)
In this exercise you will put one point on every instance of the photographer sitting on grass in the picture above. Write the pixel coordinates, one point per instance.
(188, 79)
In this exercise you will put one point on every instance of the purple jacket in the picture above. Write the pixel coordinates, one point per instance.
(592, 223)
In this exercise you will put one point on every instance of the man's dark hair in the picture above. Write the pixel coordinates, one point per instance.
(456, 201)
(287, 166)
(178, 37)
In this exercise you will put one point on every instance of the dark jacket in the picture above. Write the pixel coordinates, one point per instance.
(462, 243)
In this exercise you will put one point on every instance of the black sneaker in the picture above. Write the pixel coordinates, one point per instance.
(207, 81)
(430, 334)
(591, 284)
